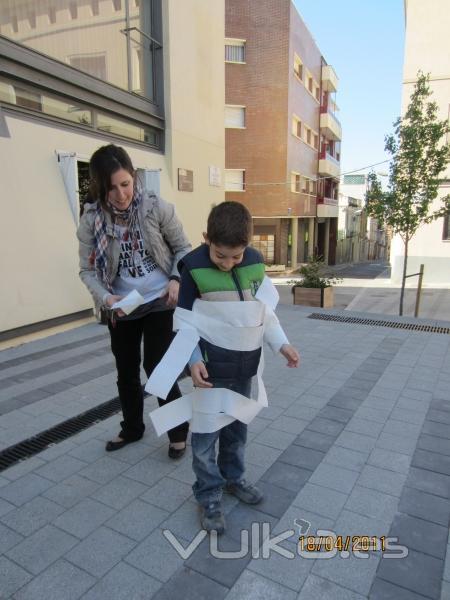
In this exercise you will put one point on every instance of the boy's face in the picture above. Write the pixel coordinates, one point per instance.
(225, 257)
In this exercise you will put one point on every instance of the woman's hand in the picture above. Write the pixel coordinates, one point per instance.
(172, 293)
(291, 355)
(112, 299)
(199, 375)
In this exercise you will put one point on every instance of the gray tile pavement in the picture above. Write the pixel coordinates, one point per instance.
(357, 441)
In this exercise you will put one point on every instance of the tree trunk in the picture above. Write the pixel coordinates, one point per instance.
(405, 263)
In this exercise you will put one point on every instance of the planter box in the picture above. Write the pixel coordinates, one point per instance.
(323, 297)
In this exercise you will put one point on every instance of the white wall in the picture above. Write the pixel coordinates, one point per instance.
(39, 262)
(427, 47)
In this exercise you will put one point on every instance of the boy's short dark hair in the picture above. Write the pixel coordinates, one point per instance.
(229, 224)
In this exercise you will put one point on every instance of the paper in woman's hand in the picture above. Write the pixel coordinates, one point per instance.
(129, 303)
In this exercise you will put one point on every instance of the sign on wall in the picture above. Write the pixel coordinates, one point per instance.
(185, 180)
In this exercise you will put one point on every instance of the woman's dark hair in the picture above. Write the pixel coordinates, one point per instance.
(229, 224)
(104, 162)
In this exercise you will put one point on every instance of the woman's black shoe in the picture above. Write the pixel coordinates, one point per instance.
(176, 452)
(111, 446)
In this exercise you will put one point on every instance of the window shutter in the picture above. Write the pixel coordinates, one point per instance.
(234, 116)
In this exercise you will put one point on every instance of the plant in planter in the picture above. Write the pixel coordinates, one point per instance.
(315, 289)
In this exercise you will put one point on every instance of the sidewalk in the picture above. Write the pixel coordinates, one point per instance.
(356, 441)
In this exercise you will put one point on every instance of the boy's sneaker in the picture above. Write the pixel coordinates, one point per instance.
(212, 518)
(246, 492)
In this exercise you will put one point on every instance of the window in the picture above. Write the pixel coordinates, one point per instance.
(308, 135)
(446, 232)
(317, 93)
(304, 185)
(234, 116)
(298, 67)
(106, 53)
(310, 84)
(316, 141)
(235, 51)
(296, 127)
(295, 183)
(266, 245)
(234, 180)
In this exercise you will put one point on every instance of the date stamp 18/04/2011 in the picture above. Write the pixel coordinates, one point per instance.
(326, 544)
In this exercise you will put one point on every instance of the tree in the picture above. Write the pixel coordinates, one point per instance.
(419, 154)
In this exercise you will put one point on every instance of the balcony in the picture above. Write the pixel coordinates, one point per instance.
(330, 80)
(330, 124)
(328, 165)
(327, 207)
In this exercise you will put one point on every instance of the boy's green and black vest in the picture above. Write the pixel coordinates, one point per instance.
(200, 278)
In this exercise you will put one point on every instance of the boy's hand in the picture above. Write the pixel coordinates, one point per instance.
(199, 374)
(291, 355)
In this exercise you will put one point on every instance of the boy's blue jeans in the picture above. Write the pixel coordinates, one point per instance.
(213, 474)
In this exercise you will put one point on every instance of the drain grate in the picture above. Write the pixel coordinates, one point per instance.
(381, 323)
(14, 454)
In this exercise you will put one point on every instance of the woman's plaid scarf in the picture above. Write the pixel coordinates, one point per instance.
(130, 215)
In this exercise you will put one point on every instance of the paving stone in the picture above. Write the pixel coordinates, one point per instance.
(300, 411)
(156, 556)
(32, 516)
(259, 454)
(383, 590)
(100, 551)
(12, 577)
(286, 476)
(23, 467)
(425, 506)
(24, 489)
(275, 438)
(326, 426)
(371, 503)
(387, 459)
(363, 427)
(149, 470)
(336, 414)
(299, 456)
(355, 441)
(5, 507)
(336, 478)
(320, 500)
(193, 585)
(317, 588)
(434, 444)
(276, 499)
(89, 452)
(289, 424)
(84, 517)
(41, 549)
(382, 480)
(119, 492)
(104, 470)
(258, 425)
(408, 416)
(420, 535)
(417, 572)
(252, 586)
(401, 428)
(137, 519)
(289, 570)
(343, 457)
(124, 582)
(432, 461)
(184, 523)
(62, 467)
(9, 538)
(403, 445)
(353, 573)
(207, 560)
(71, 491)
(427, 481)
(168, 494)
(243, 517)
(61, 580)
(438, 429)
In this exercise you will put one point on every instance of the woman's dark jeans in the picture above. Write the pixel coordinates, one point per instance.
(126, 337)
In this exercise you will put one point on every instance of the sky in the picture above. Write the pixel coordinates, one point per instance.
(363, 41)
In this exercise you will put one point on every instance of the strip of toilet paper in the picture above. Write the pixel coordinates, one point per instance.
(232, 325)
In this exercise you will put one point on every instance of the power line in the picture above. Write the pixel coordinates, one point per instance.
(382, 162)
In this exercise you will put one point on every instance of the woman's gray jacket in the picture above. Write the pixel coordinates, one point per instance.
(161, 231)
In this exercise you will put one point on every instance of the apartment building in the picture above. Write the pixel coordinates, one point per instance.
(427, 47)
(282, 139)
(78, 74)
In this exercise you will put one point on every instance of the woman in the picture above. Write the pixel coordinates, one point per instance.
(131, 239)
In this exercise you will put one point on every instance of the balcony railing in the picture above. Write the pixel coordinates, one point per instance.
(326, 200)
(325, 155)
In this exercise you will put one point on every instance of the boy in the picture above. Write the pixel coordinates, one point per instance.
(226, 269)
